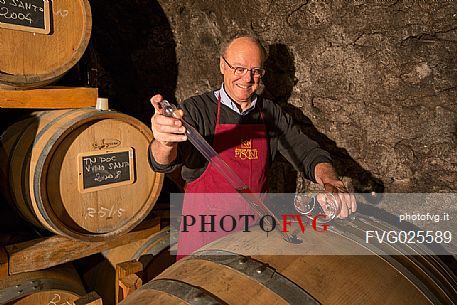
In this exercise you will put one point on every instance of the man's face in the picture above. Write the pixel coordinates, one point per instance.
(245, 53)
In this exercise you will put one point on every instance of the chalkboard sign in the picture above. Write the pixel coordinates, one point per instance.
(25, 15)
(99, 170)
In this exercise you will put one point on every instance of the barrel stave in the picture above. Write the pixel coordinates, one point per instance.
(321, 279)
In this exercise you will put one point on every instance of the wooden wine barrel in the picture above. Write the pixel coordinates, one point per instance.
(80, 173)
(30, 60)
(60, 285)
(220, 273)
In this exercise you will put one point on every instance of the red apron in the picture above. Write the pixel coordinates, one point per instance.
(244, 147)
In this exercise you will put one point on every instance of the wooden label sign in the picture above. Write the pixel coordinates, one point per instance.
(25, 15)
(105, 169)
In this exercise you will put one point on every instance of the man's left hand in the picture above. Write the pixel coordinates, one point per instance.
(326, 176)
(346, 201)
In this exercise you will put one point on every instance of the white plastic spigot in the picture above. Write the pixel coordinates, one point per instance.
(102, 104)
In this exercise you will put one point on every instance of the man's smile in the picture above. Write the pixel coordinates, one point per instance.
(243, 86)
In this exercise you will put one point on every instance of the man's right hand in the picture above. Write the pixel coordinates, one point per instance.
(167, 131)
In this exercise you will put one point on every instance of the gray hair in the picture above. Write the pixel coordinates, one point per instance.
(249, 35)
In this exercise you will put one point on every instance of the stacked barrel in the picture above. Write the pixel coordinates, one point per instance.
(59, 285)
(81, 173)
(30, 59)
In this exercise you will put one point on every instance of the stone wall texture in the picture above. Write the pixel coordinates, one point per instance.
(373, 81)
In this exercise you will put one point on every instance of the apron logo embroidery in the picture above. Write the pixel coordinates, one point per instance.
(245, 151)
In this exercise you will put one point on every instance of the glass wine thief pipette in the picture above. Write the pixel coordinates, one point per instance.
(226, 171)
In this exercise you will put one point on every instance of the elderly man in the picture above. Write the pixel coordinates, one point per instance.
(246, 130)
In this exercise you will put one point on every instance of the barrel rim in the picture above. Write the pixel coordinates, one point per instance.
(15, 287)
(40, 176)
(25, 168)
(30, 81)
(7, 185)
(426, 272)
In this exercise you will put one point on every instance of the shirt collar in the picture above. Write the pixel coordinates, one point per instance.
(227, 101)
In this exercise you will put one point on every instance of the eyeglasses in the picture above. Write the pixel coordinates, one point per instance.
(240, 71)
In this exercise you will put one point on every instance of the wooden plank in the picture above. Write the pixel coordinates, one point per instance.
(127, 268)
(90, 299)
(127, 279)
(47, 252)
(127, 285)
(3, 263)
(49, 98)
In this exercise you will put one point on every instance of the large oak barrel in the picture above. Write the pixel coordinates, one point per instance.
(59, 285)
(220, 273)
(81, 173)
(30, 60)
